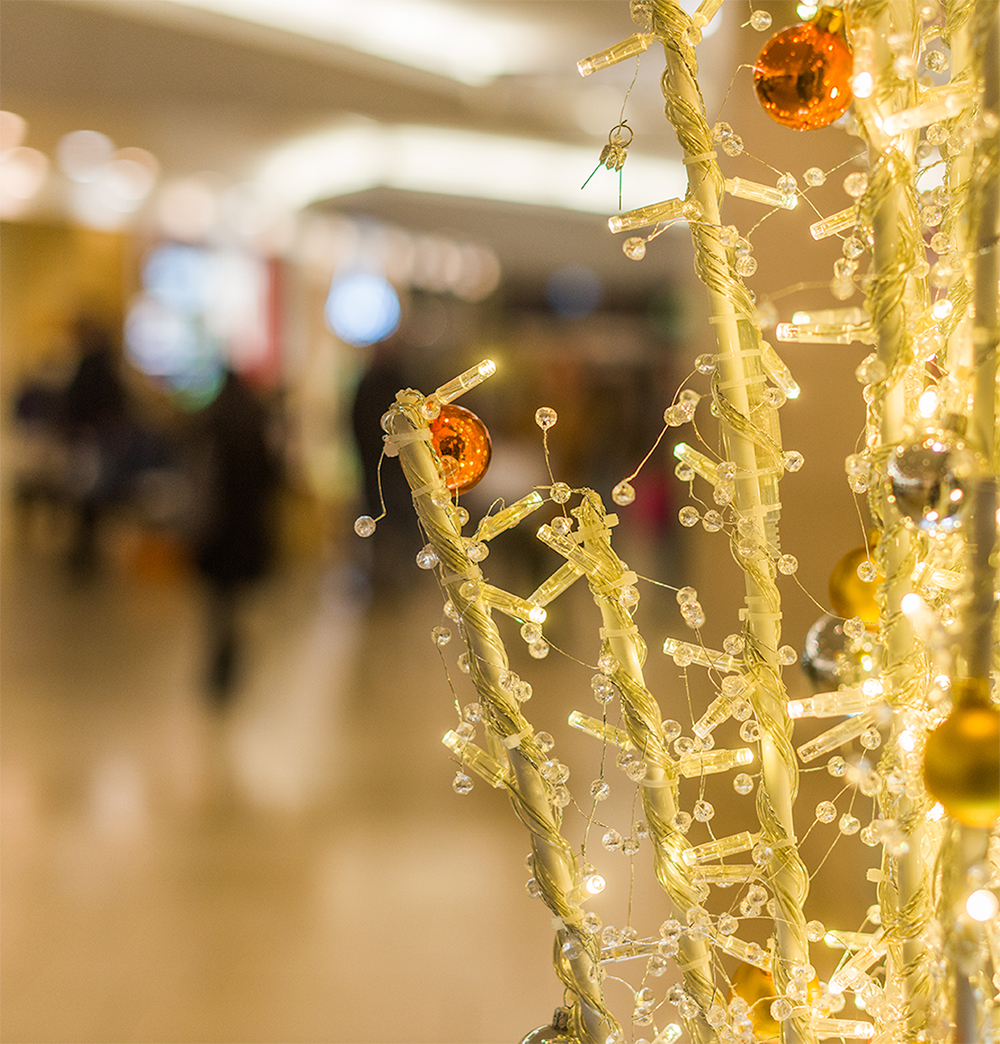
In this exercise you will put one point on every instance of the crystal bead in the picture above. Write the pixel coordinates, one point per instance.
(599, 790)
(463, 663)
(430, 408)
(466, 731)
(561, 796)
(477, 551)
(562, 524)
(539, 650)
(750, 731)
(427, 557)
(854, 627)
(703, 811)
(936, 61)
(671, 730)
(742, 783)
(853, 247)
(688, 516)
(634, 248)
(793, 460)
(473, 712)
(364, 526)
(848, 824)
(630, 845)
(681, 822)
(856, 184)
(871, 738)
(612, 840)
(788, 564)
(787, 656)
(636, 770)
(814, 177)
(712, 521)
(544, 741)
(628, 597)
(826, 811)
(746, 266)
(836, 766)
(733, 145)
(545, 417)
(729, 236)
(734, 644)
(440, 636)
(531, 632)
(705, 363)
(623, 493)
(760, 20)
(560, 492)
(787, 184)
(780, 1009)
(470, 590)
(462, 783)
(604, 690)
(571, 948)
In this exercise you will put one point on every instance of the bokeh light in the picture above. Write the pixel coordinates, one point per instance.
(362, 308)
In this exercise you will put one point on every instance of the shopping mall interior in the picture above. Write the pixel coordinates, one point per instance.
(227, 814)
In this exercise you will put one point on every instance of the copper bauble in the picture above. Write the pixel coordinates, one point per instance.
(462, 442)
(803, 74)
(962, 757)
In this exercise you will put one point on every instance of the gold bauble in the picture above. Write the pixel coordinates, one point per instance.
(549, 1035)
(756, 987)
(849, 594)
(962, 757)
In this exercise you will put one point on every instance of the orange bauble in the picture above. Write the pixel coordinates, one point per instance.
(803, 74)
(462, 442)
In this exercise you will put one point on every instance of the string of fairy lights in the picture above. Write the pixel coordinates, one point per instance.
(904, 667)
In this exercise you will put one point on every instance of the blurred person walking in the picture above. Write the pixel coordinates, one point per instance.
(98, 431)
(236, 473)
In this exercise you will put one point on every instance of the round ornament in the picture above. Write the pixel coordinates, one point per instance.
(803, 75)
(928, 479)
(849, 594)
(557, 1033)
(756, 987)
(462, 442)
(832, 658)
(962, 757)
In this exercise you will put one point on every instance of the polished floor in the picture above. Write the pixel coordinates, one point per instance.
(298, 869)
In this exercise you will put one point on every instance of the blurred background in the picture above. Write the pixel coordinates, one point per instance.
(231, 230)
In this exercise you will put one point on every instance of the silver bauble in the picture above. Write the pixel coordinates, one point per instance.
(832, 659)
(929, 480)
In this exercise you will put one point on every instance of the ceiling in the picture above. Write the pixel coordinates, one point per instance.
(207, 92)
